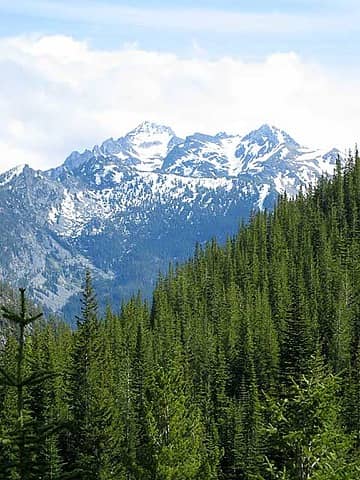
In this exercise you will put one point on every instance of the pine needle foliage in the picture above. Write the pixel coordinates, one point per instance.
(22, 441)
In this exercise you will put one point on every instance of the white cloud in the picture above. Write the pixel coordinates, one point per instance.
(57, 94)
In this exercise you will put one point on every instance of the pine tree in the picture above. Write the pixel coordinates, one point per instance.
(25, 435)
(84, 442)
(304, 432)
(175, 426)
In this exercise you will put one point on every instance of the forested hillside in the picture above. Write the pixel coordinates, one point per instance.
(245, 366)
(128, 207)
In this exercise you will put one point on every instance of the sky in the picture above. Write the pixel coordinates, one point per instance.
(75, 73)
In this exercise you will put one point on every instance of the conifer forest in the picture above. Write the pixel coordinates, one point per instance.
(245, 364)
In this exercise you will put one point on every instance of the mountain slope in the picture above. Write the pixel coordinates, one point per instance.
(126, 208)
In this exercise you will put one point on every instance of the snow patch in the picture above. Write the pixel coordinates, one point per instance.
(263, 193)
(11, 174)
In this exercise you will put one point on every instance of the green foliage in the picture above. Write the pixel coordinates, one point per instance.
(245, 367)
(176, 432)
(304, 434)
(24, 439)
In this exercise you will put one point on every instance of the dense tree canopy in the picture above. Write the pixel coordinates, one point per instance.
(246, 365)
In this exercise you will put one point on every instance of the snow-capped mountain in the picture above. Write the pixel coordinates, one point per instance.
(126, 208)
(144, 148)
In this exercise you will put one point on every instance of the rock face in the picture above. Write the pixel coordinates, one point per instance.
(128, 207)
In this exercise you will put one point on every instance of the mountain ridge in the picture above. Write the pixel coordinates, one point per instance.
(126, 208)
(146, 133)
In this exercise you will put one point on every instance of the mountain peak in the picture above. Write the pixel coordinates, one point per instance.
(267, 129)
(271, 134)
(151, 128)
(7, 176)
(222, 135)
(76, 159)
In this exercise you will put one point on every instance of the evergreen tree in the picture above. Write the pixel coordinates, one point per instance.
(24, 436)
(86, 415)
(304, 433)
(175, 426)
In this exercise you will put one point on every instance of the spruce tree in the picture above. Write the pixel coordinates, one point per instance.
(25, 436)
(84, 442)
(175, 426)
(304, 430)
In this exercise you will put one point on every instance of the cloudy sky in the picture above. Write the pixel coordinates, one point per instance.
(75, 73)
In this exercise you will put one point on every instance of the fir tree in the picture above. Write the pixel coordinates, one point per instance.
(84, 442)
(25, 435)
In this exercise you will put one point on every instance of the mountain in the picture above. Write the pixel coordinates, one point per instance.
(126, 208)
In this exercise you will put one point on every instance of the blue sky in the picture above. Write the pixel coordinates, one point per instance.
(75, 72)
(321, 30)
